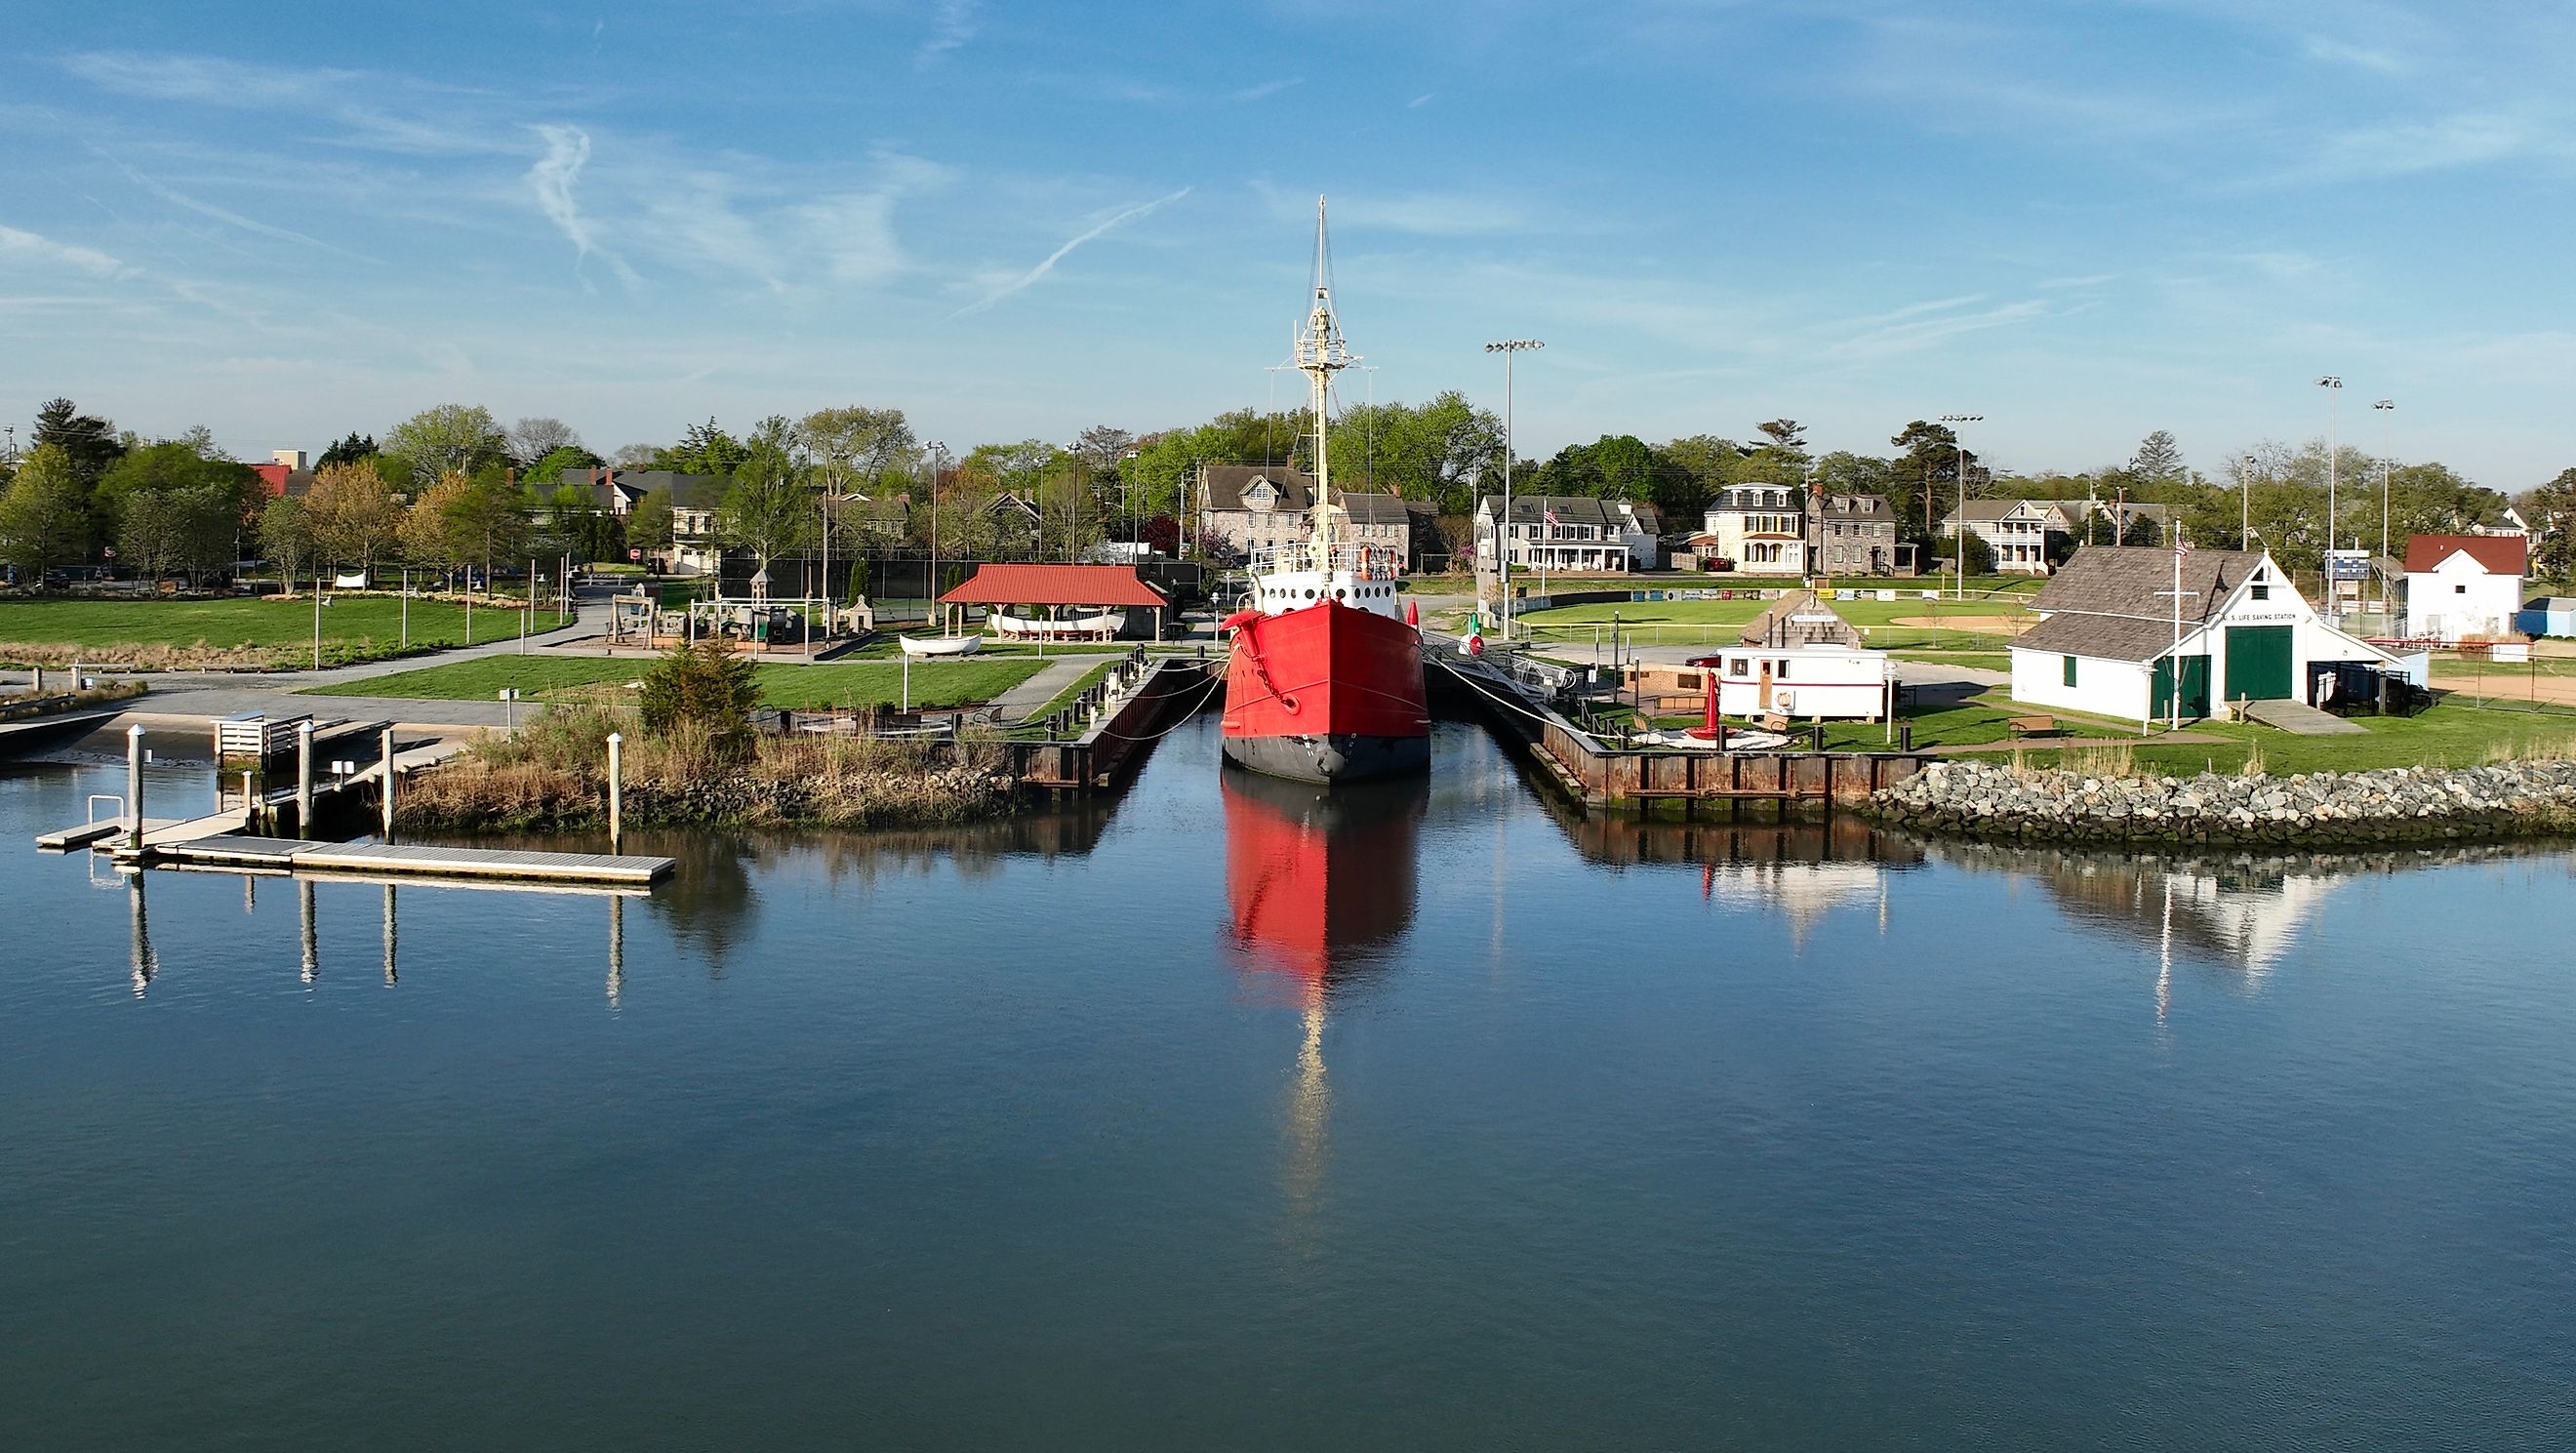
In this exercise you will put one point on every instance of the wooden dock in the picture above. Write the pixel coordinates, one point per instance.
(390, 860)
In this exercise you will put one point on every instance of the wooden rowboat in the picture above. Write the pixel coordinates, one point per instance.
(940, 645)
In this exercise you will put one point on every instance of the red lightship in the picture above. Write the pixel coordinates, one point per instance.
(1323, 681)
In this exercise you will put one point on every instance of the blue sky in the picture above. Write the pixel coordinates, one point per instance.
(2084, 220)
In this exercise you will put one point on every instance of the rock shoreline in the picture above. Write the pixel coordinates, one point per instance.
(2386, 805)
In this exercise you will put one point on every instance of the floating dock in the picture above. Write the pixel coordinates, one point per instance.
(391, 860)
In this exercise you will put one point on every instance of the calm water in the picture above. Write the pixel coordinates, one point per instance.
(1213, 1118)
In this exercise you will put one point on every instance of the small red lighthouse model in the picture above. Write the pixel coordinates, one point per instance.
(1323, 682)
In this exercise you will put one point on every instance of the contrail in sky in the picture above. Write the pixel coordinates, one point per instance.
(1042, 269)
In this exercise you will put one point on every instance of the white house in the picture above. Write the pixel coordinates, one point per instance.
(2017, 530)
(2463, 586)
(1570, 532)
(1760, 528)
(2111, 642)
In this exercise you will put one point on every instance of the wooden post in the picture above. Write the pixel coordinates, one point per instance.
(134, 786)
(304, 779)
(616, 788)
(388, 794)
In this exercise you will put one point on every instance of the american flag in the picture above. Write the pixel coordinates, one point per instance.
(1552, 520)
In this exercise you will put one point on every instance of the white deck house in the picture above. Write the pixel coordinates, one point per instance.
(2461, 587)
(2108, 642)
(1799, 659)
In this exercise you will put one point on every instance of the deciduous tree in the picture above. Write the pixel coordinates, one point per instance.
(353, 514)
(43, 519)
(286, 539)
(532, 439)
(449, 436)
(769, 512)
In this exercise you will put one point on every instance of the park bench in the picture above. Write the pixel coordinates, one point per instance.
(2031, 726)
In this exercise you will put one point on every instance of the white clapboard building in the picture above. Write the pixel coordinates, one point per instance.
(2463, 587)
(2110, 640)
(1800, 660)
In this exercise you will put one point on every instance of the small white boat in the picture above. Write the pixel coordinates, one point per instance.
(1102, 626)
(1738, 739)
(940, 645)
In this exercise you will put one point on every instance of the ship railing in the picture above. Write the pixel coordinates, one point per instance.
(1368, 562)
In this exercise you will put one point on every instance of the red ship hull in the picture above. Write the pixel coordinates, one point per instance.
(1326, 694)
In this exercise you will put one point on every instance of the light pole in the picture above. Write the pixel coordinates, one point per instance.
(936, 453)
(2244, 506)
(1509, 348)
(1960, 547)
(2334, 400)
(2387, 411)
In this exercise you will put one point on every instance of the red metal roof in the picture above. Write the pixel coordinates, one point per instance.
(1055, 585)
(2500, 554)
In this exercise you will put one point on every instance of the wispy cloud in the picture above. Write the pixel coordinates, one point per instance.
(1025, 279)
(952, 24)
(552, 180)
(23, 248)
(1424, 99)
(2322, 48)
(177, 198)
(1268, 88)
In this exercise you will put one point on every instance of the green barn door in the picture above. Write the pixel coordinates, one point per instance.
(2195, 686)
(2258, 663)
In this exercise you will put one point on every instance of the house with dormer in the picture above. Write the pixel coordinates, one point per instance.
(1251, 507)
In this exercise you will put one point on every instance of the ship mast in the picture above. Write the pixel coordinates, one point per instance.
(1321, 353)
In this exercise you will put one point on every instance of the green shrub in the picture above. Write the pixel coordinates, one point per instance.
(702, 689)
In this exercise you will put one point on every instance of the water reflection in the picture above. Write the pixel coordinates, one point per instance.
(1320, 888)
(145, 965)
(1320, 883)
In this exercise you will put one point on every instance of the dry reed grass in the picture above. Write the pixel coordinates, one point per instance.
(552, 772)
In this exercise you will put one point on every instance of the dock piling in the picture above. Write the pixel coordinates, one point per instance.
(616, 788)
(304, 778)
(387, 796)
(134, 786)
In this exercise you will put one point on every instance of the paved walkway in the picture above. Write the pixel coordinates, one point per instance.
(2301, 720)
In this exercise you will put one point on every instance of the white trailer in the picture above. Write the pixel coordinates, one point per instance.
(1814, 683)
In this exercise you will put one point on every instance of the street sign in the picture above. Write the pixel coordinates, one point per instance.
(633, 554)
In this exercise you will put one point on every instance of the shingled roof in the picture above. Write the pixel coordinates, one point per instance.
(2115, 602)
(1227, 482)
(2496, 554)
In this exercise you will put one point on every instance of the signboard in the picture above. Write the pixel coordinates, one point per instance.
(633, 554)
(2516, 652)
(2344, 565)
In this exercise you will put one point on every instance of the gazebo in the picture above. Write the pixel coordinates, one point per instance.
(1107, 590)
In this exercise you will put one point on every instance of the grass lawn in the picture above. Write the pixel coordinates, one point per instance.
(354, 627)
(1974, 660)
(2453, 733)
(944, 683)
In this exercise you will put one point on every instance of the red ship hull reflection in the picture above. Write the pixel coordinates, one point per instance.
(1321, 883)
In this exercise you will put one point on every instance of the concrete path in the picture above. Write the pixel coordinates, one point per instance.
(1022, 701)
(2301, 720)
